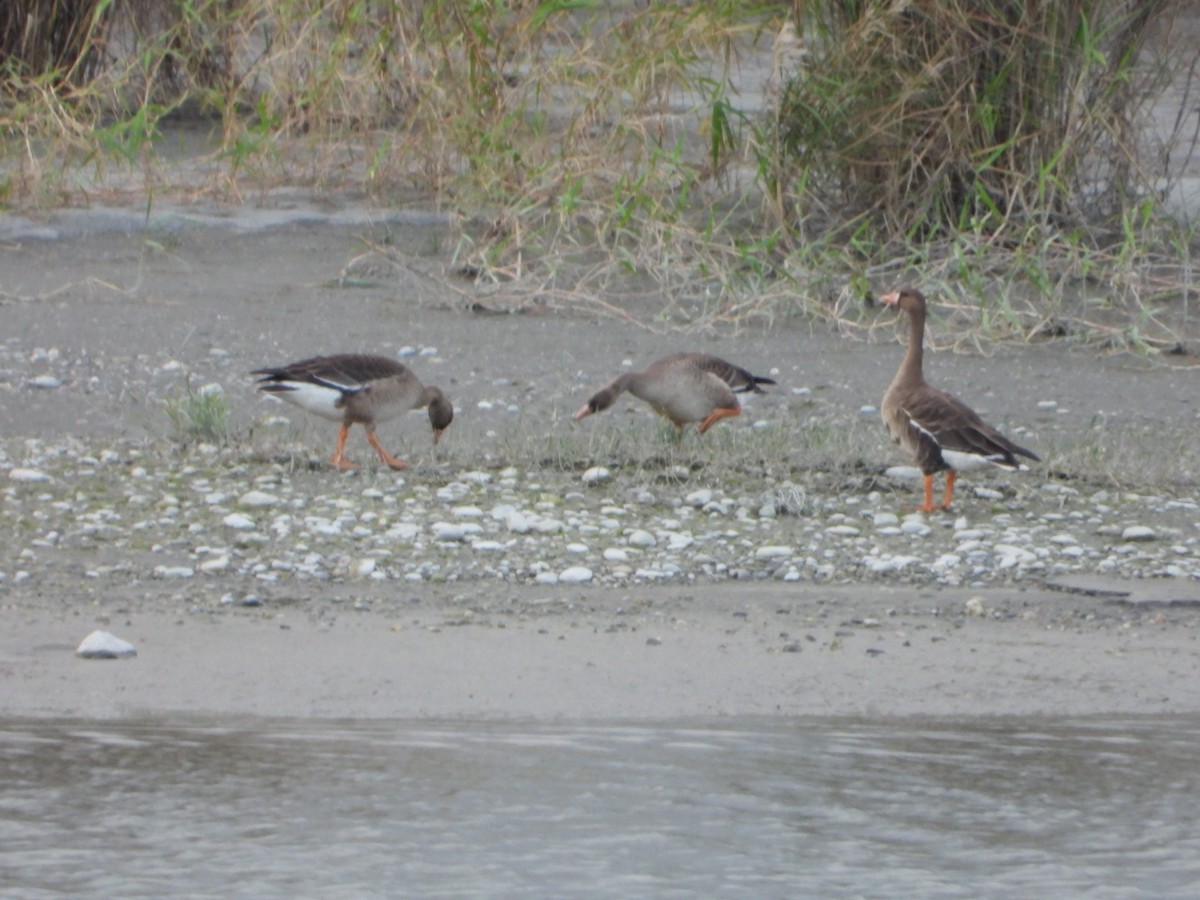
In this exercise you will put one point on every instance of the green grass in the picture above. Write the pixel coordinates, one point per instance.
(199, 416)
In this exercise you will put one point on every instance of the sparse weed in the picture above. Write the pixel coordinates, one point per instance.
(199, 416)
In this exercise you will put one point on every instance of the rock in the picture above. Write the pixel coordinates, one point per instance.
(239, 522)
(616, 554)
(214, 565)
(102, 645)
(974, 607)
(843, 531)
(890, 564)
(258, 500)
(639, 537)
(174, 572)
(44, 382)
(1139, 533)
(773, 551)
(364, 568)
(453, 531)
(597, 475)
(27, 475)
(575, 575)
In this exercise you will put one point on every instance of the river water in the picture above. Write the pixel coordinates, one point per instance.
(727, 808)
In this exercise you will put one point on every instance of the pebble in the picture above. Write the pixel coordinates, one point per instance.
(639, 537)
(453, 531)
(174, 572)
(214, 565)
(194, 515)
(44, 382)
(597, 475)
(258, 500)
(103, 645)
(27, 475)
(773, 552)
(1139, 533)
(239, 522)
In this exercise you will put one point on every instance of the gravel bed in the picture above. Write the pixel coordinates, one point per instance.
(243, 530)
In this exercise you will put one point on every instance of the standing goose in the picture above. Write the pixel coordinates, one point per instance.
(686, 387)
(939, 430)
(355, 388)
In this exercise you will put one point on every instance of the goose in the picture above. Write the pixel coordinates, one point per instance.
(357, 388)
(941, 432)
(685, 387)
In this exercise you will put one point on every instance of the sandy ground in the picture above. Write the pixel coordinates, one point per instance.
(111, 313)
(653, 653)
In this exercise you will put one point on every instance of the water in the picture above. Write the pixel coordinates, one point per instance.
(736, 808)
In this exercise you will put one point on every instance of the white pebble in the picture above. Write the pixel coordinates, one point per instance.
(639, 537)
(102, 645)
(173, 572)
(44, 382)
(258, 499)
(597, 475)
(773, 551)
(29, 475)
(575, 574)
(842, 531)
(452, 531)
(239, 522)
(1139, 533)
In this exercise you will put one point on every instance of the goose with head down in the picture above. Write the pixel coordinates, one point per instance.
(354, 388)
(941, 432)
(685, 387)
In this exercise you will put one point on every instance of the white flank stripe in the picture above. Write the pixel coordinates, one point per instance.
(965, 461)
(921, 428)
(320, 401)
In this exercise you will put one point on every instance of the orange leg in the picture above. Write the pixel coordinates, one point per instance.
(716, 415)
(387, 458)
(339, 455)
(928, 506)
(951, 475)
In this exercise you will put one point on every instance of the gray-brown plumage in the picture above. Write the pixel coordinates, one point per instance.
(355, 388)
(939, 430)
(686, 387)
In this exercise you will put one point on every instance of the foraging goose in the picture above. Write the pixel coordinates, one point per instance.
(939, 430)
(351, 388)
(686, 387)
